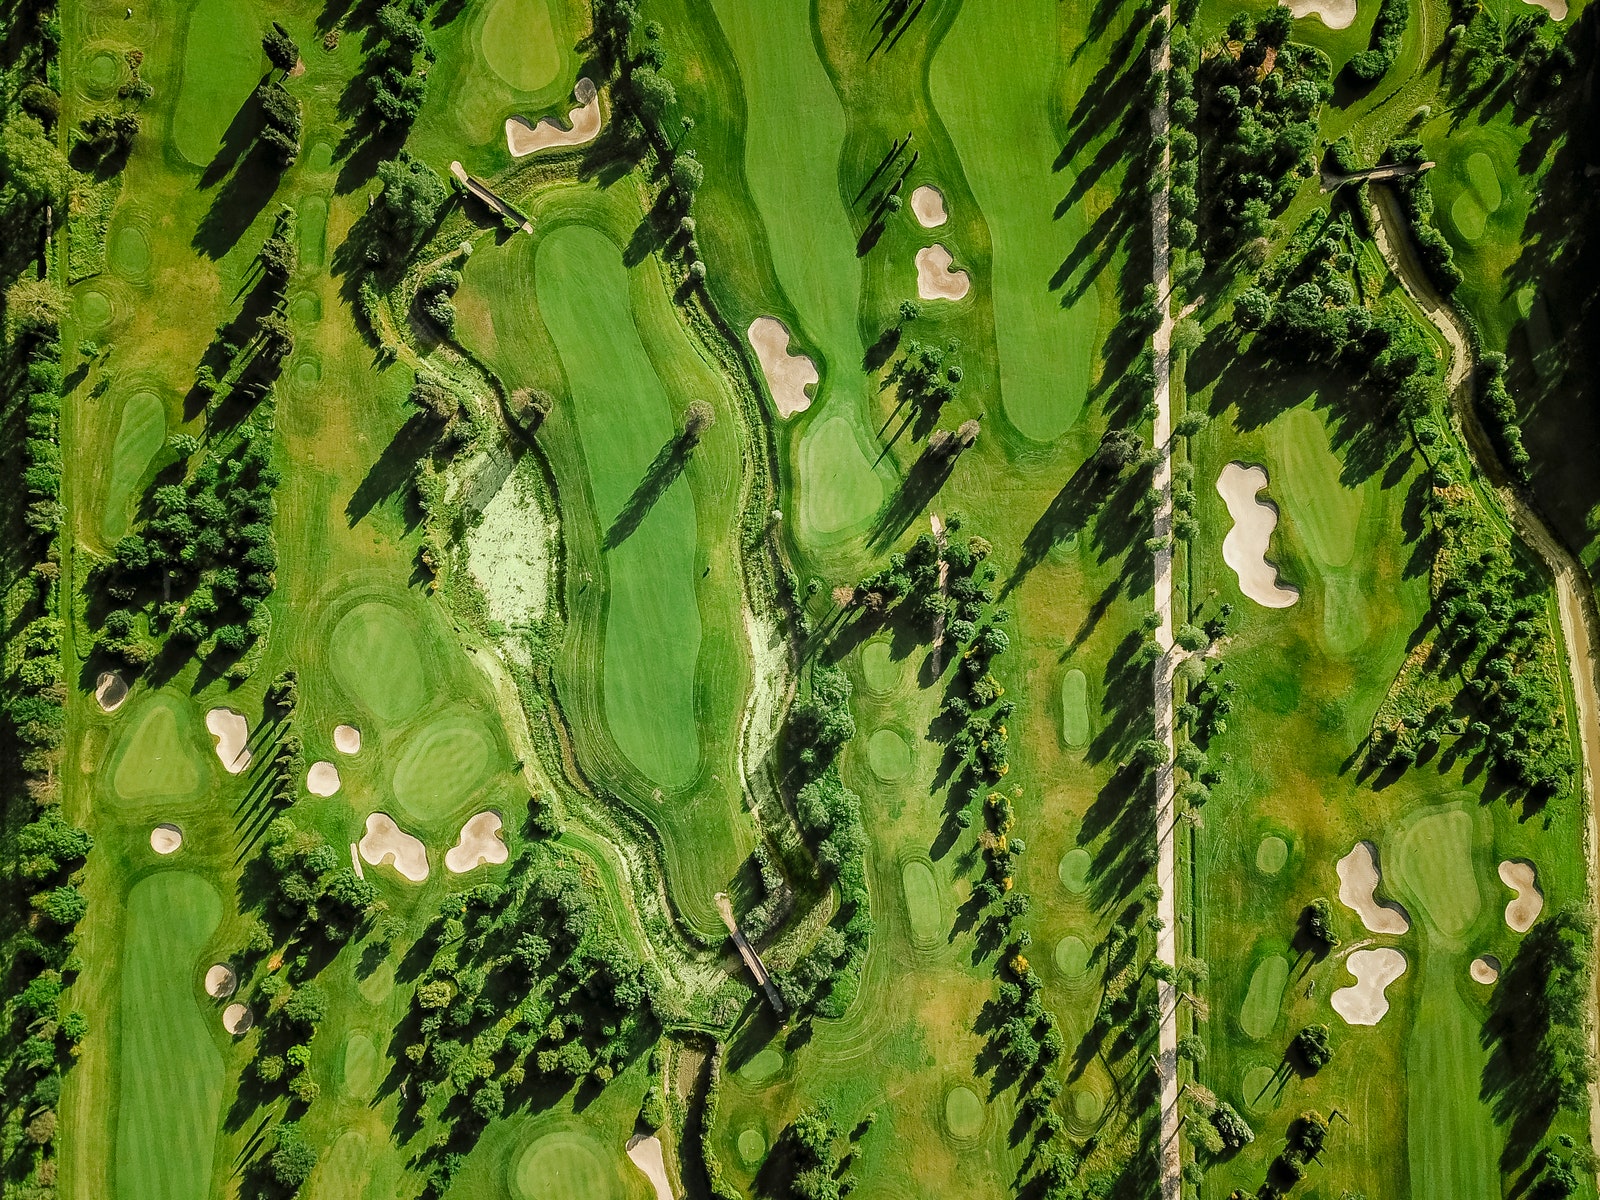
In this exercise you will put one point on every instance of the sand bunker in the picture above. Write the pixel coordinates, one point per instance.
(1485, 969)
(237, 1019)
(1335, 14)
(1359, 877)
(232, 731)
(1245, 547)
(788, 375)
(583, 125)
(385, 842)
(1375, 970)
(936, 278)
(322, 779)
(644, 1151)
(1556, 8)
(927, 203)
(347, 739)
(1519, 875)
(221, 981)
(110, 690)
(165, 839)
(479, 843)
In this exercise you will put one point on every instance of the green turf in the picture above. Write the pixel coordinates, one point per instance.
(1075, 709)
(345, 1171)
(1259, 1012)
(93, 308)
(141, 434)
(1452, 1143)
(311, 227)
(518, 43)
(1073, 870)
(1072, 956)
(569, 1164)
(923, 910)
(160, 752)
(841, 489)
(130, 252)
(222, 63)
(447, 762)
(752, 1147)
(1305, 481)
(889, 755)
(103, 72)
(360, 1068)
(1271, 854)
(762, 1066)
(879, 670)
(1259, 1089)
(170, 1093)
(1087, 1106)
(963, 1113)
(1431, 860)
(374, 656)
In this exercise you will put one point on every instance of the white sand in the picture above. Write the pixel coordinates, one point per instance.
(479, 843)
(322, 779)
(1245, 547)
(936, 278)
(788, 375)
(1519, 875)
(355, 862)
(110, 690)
(1485, 969)
(347, 739)
(237, 1019)
(927, 203)
(1335, 14)
(1359, 877)
(232, 731)
(644, 1151)
(221, 981)
(1374, 970)
(385, 842)
(583, 125)
(165, 839)
(1556, 8)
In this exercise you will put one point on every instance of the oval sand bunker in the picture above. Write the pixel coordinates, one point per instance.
(583, 125)
(927, 204)
(1359, 877)
(788, 375)
(937, 279)
(232, 731)
(237, 1019)
(322, 779)
(1245, 547)
(347, 739)
(110, 690)
(1335, 14)
(166, 839)
(1485, 969)
(1375, 970)
(385, 842)
(1519, 875)
(479, 843)
(221, 981)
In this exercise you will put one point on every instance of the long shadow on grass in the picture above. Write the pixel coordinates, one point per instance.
(393, 471)
(660, 475)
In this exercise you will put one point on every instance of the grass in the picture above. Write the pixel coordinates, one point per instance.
(1272, 854)
(141, 434)
(162, 753)
(1258, 1015)
(880, 673)
(922, 900)
(888, 756)
(1075, 709)
(373, 653)
(1431, 857)
(445, 763)
(963, 1113)
(222, 64)
(519, 45)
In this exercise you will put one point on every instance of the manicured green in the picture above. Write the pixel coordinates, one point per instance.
(1315, 504)
(159, 755)
(752, 1147)
(1071, 956)
(963, 1113)
(141, 434)
(361, 1067)
(1259, 1013)
(222, 63)
(441, 768)
(130, 252)
(889, 755)
(1073, 870)
(311, 227)
(518, 43)
(923, 909)
(1260, 1088)
(843, 488)
(568, 1164)
(1431, 860)
(879, 670)
(1075, 709)
(762, 1066)
(1271, 854)
(374, 656)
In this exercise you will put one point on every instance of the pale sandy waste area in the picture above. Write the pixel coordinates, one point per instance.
(385, 842)
(644, 1151)
(1485, 969)
(583, 125)
(322, 779)
(221, 981)
(237, 1019)
(1359, 877)
(110, 690)
(347, 739)
(1519, 875)
(1556, 8)
(165, 839)
(937, 279)
(232, 731)
(1374, 971)
(1245, 547)
(927, 204)
(479, 843)
(355, 862)
(1335, 14)
(788, 375)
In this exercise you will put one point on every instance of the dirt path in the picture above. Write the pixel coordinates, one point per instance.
(1580, 624)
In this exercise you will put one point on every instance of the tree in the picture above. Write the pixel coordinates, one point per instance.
(1192, 1048)
(411, 199)
(1252, 309)
(697, 418)
(307, 1006)
(1234, 1129)
(293, 1160)
(688, 174)
(64, 905)
(653, 94)
(281, 51)
(1318, 919)
(34, 306)
(33, 170)
(910, 310)
(1311, 1044)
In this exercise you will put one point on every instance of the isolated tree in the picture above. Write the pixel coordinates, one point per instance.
(688, 173)
(1311, 1044)
(697, 418)
(281, 51)
(294, 1159)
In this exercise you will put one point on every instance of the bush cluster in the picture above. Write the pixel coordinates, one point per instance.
(1417, 200)
(1388, 28)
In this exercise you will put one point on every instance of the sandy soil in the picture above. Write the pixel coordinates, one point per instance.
(385, 842)
(1359, 877)
(1245, 547)
(237, 1019)
(1375, 970)
(479, 843)
(347, 739)
(110, 690)
(1521, 877)
(322, 779)
(583, 125)
(644, 1150)
(232, 731)
(1335, 14)
(221, 981)
(788, 375)
(1485, 969)
(927, 203)
(165, 839)
(936, 278)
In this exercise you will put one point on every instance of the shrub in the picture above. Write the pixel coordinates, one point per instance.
(1311, 1044)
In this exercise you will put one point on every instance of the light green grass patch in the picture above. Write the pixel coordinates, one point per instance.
(158, 752)
(1271, 854)
(963, 1113)
(1075, 709)
(311, 227)
(443, 766)
(1087, 1105)
(360, 1066)
(374, 657)
(346, 1170)
(1259, 1012)
(518, 43)
(141, 433)
(102, 72)
(1431, 859)
(93, 309)
(222, 63)
(1260, 1093)
(569, 1164)
(1073, 870)
(130, 252)
(879, 671)
(1345, 620)
(923, 910)
(763, 1065)
(170, 1072)
(888, 755)
(1072, 956)
(1305, 480)
(1452, 1143)
(842, 488)
(752, 1147)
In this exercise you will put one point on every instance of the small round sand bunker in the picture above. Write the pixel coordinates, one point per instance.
(221, 981)
(237, 1019)
(1244, 548)
(232, 732)
(927, 205)
(1359, 877)
(1520, 876)
(788, 375)
(322, 779)
(1485, 969)
(1374, 970)
(347, 739)
(385, 842)
(110, 690)
(582, 127)
(937, 279)
(480, 843)
(1335, 14)
(166, 839)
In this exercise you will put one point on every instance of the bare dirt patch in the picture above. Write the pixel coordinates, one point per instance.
(788, 375)
(347, 739)
(166, 839)
(583, 125)
(480, 842)
(322, 779)
(1522, 877)
(221, 981)
(232, 732)
(937, 278)
(385, 842)
(110, 690)
(927, 205)
(1359, 877)
(1374, 970)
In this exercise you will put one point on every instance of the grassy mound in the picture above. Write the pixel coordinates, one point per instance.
(921, 892)
(880, 672)
(141, 434)
(518, 43)
(963, 1113)
(222, 63)
(1073, 870)
(888, 755)
(93, 309)
(1271, 854)
(160, 753)
(1072, 956)
(1259, 1012)
(374, 658)
(362, 1066)
(444, 764)
(1075, 709)
(568, 1164)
